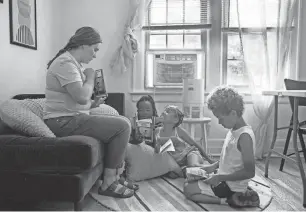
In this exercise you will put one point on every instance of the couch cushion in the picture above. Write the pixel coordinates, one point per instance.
(104, 109)
(66, 155)
(5, 129)
(25, 116)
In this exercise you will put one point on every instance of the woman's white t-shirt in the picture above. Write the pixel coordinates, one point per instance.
(63, 70)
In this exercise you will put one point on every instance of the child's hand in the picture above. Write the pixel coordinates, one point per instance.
(214, 180)
(138, 136)
(209, 169)
(157, 147)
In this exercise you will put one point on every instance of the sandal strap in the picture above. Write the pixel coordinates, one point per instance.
(128, 184)
(119, 188)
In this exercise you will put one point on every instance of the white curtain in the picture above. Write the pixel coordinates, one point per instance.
(123, 58)
(266, 56)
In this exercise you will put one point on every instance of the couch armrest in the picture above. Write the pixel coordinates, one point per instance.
(68, 155)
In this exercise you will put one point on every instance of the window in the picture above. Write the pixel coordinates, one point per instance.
(175, 41)
(232, 66)
(182, 40)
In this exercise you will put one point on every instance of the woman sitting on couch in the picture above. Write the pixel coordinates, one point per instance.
(69, 88)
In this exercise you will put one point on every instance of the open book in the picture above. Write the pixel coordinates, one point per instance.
(99, 88)
(167, 147)
(196, 173)
(145, 128)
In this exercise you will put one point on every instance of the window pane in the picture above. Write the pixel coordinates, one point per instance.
(158, 12)
(255, 60)
(255, 57)
(234, 47)
(192, 11)
(248, 13)
(235, 75)
(192, 41)
(175, 41)
(175, 11)
(157, 41)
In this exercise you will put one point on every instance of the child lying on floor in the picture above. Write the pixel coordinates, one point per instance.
(237, 165)
(187, 151)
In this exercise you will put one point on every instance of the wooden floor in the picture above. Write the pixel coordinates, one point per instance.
(286, 187)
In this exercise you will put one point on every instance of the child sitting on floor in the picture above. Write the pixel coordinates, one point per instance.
(184, 154)
(146, 109)
(237, 165)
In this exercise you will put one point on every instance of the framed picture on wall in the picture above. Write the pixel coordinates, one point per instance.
(23, 24)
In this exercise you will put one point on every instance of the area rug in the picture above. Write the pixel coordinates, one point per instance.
(164, 194)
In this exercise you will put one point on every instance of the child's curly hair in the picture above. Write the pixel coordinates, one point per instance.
(224, 99)
(179, 114)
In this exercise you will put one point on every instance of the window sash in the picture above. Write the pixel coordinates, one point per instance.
(226, 59)
(178, 15)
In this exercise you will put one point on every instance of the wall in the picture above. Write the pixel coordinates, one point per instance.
(22, 70)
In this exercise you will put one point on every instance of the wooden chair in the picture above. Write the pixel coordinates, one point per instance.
(295, 85)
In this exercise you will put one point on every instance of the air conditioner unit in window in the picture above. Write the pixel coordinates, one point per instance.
(170, 68)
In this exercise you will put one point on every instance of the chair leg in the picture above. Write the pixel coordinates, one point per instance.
(302, 144)
(77, 206)
(285, 148)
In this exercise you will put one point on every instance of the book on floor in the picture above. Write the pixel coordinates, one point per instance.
(196, 173)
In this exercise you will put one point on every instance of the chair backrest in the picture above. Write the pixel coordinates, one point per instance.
(296, 85)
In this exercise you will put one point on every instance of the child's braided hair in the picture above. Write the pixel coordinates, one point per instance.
(148, 98)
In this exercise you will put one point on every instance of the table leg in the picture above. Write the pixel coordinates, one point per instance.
(297, 154)
(274, 135)
(192, 130)
(204, 136)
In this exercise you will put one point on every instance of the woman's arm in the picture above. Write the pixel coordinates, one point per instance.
(82, 92)
(183, 134)
(97, 101)
(245, 146)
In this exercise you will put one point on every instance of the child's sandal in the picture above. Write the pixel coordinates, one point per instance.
(117, 190)
(249, 198)
(128, 184)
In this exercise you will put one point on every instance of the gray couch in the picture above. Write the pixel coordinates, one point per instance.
(57, 169)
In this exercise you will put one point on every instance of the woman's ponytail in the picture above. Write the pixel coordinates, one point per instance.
(62, 51)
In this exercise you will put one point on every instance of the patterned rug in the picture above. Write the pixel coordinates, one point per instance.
(164, 194)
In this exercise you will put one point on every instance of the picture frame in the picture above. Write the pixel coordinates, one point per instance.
(23, 23)
(1, 1)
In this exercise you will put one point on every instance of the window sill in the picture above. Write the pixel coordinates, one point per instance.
(176, 96)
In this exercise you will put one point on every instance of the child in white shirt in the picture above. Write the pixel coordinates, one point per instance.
(237, 164)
